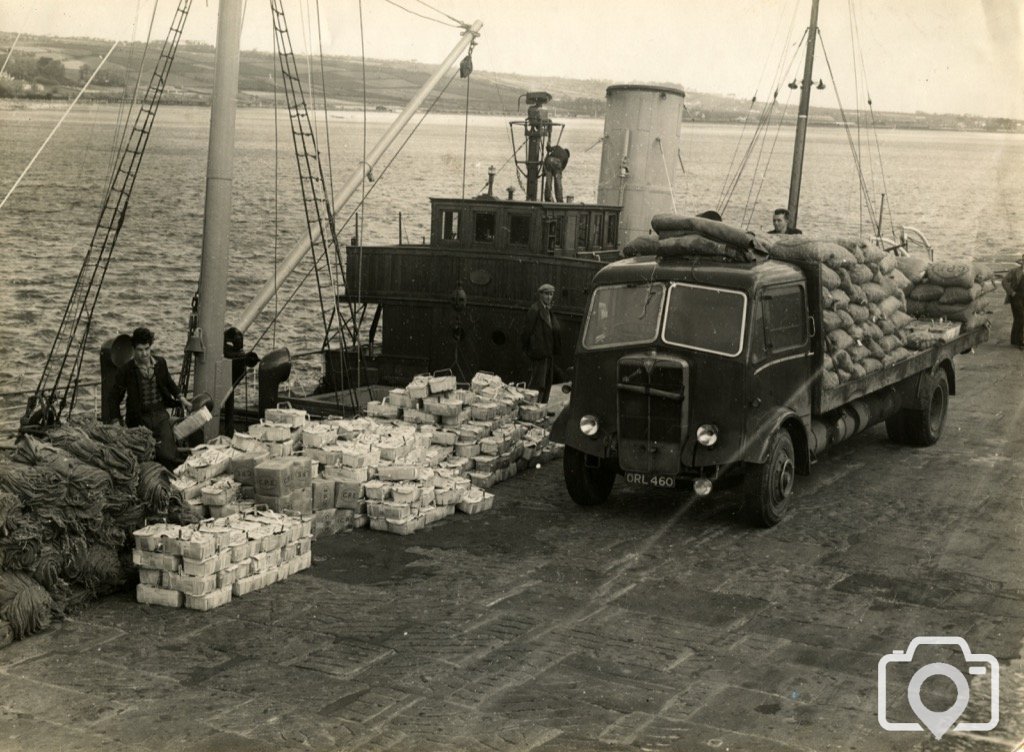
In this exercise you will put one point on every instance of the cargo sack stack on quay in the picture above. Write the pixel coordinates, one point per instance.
(203, 566)
(948, 290)
(868, 305)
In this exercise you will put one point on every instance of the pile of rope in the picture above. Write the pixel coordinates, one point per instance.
(139, 440)
(69, 502)
(116, 459)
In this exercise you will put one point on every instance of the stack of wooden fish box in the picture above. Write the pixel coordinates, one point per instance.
(202, 566)
(427, 450)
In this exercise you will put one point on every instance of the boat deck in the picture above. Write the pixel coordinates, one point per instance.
(653, 622)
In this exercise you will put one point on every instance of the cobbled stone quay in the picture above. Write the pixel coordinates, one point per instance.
(654, 622)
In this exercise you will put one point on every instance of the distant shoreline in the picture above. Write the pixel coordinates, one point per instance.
(12, 104)
(53, 69)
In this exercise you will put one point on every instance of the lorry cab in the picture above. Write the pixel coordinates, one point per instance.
(685, 369)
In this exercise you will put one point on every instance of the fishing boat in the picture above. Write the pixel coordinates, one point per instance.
(455, 302)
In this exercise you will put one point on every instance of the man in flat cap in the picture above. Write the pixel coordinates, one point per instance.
(541, 339)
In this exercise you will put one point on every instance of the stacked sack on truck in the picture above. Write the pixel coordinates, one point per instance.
(946, 290)
(203, 566)
(868, 321)
(863, 304)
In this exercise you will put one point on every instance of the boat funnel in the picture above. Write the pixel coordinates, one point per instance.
(638, 159)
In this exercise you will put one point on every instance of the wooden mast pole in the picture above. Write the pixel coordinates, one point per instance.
(801, 122)
(213, 372)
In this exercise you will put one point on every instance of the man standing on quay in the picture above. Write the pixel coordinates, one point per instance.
(542, 341)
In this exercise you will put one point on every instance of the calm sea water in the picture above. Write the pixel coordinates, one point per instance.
(965, 191)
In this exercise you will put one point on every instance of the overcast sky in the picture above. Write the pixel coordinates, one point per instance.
(962, 56)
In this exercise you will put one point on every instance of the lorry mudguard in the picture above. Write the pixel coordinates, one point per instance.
(756, 447)
(557, 433)
(924, 383)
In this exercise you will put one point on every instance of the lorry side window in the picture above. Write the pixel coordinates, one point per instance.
(757, 334)
(785, 318)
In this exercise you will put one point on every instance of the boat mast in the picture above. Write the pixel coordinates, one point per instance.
(801, 122)
(213, 374)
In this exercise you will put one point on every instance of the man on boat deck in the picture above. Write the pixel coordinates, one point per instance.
(1013, 284)
(150, 390)
(541, 339)
(554, 163)
(780, 224)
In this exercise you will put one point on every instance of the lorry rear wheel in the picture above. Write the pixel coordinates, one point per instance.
(588, 486)
(924, 425)
(770, 485)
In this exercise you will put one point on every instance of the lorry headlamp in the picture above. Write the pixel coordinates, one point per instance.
(588, 425)
(707, 435)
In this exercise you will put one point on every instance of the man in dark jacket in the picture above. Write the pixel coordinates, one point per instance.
(1013, 284)
(555, 161)
(542, 341)
(150, 391)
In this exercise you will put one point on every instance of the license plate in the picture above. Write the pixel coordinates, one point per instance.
(655, 481)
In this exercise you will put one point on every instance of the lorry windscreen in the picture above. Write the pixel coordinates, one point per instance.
(710, 319)
(624, 315)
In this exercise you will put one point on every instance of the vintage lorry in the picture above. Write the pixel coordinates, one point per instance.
(697, 368)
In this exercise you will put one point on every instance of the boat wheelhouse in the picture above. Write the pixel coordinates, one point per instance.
(458, 301)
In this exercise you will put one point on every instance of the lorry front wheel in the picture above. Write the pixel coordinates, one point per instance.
(770, 485)
(924, 425)
(588, 486)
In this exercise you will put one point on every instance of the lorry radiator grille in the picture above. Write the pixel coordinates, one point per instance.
(652, 413)
(642, 418)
